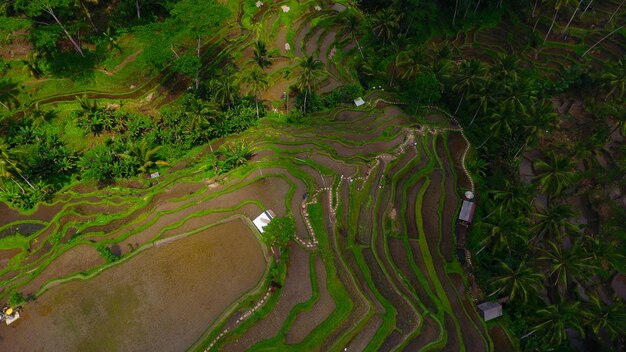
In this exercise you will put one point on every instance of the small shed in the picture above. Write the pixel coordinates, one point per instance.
(359, 101)
(490, 310)
(263, 219)
(467, 211)
(155, 175)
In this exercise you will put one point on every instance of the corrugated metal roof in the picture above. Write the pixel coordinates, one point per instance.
(467, 211)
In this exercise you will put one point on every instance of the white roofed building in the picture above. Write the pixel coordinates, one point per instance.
(263, 219)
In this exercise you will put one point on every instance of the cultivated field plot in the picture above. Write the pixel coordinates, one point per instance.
(371, 267)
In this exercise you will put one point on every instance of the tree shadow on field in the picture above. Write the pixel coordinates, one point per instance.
(71, 65)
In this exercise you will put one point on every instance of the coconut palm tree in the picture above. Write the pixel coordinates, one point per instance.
(441, 68)
(553, 222)
(199, 112)
(8, 94)
(554, 174)
(385, 24)
(506, 67)
(260, 54)
(606, 249)
(224, 89)
(352, 25)
(519, 283)
(471, 74)
(499, 126)
(504, 231)
(515, 198)
(409, 62)
(142, 156)
(9, 165)
(255, 81)
(481, 97)
(540, 116)
(554, 320)
(309, 72)
(604, 317)
(517, 93)
(567, 266)
(614, 78)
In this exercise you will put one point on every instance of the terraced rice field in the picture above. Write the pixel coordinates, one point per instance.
(371, 268)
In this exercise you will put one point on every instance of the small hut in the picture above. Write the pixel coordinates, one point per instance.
(466, 215)
(490, 310)
(263, 219)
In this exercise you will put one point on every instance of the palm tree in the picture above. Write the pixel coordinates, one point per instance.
(567, 266)
(409, 62)
(256, 81)
(9, 165)
(553, 222)
(554, 174)
(8, 94)
(481, 97)
(499, 126)
(310, 72)
(385, 23)
(517, 93)
(260, 54)
(554, 321)
(605, 248)
(506, 67)
(540, 116)
(472, 73)
(441, 69)
(199, 112)
(504, 231)
(604, 317)
(519, 283)
(352, 25)
(515, 198)
(142, 156)
(614, 78)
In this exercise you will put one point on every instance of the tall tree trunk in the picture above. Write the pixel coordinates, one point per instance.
(601, 40)
(586, 7)
(550, 29)
(456, 9)
(76, 46)
(534, 8)
(475, 114)
(198, 67)
(256, 103)
(483, 143)
(18, 185)
(609, 94)
(476, 8)
(358, 45)
(459, 105)
(570, 20)
(617, 9)
(138, 9)
(536, 22)
(304, 106)
(88, 15)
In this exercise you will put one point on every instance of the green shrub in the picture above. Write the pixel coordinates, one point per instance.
(16, 299)
(106, 253)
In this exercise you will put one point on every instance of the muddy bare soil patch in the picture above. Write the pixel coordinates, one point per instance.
(163, 299)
